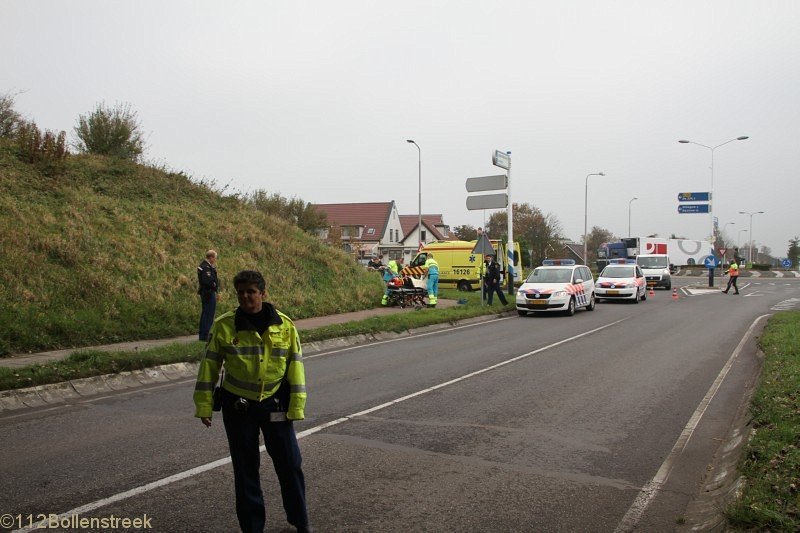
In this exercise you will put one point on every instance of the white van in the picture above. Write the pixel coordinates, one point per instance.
(656, 268)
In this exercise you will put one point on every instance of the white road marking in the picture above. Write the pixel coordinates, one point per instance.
(653, 487)
(225, 460)
(405, 338)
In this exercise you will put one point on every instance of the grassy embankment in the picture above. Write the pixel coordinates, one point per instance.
(107, 251)
(770, 500)
(86, 363)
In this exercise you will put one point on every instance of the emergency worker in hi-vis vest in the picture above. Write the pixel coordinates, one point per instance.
(263, 390)
(433, 280)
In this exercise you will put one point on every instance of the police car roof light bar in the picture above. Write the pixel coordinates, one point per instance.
(558, 262)
(623, 261)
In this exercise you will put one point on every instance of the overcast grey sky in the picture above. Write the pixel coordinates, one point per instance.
(316, 100)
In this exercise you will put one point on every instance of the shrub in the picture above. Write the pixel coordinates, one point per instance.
(113, 131)
(9, 118)
(46, 150)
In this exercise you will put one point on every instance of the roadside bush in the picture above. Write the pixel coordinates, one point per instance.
(760, 266)
(113, 131)
(46, 150)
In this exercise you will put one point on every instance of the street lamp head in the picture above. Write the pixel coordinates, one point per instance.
(684, 141)
(600, 174)
(743, 137)
(409, 140)
(759, 212)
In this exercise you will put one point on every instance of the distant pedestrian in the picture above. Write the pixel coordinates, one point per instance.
(376, 263)
(733, 273)
(263, 392)
(208, 287)
(492, 280)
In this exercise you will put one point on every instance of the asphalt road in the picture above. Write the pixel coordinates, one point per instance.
(547, 423)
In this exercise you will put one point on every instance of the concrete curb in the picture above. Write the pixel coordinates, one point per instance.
(723, 483)
(44, 395)
(56, 393)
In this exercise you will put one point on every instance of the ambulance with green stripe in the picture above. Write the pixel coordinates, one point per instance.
(459, 268)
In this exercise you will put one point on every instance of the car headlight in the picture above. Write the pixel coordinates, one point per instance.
(560, 293)
(665, 272)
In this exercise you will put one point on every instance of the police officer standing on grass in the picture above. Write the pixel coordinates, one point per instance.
(492, 280)
(263, 391)
(208, 286)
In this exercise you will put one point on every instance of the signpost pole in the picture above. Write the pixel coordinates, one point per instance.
(510, 244)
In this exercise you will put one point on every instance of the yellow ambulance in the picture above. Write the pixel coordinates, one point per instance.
(458, 266)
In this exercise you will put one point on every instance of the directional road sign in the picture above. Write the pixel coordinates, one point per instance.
(487, 183)
(692, 208)
(693, 196)
(487, 201)
(710, 261)
(786, 263)
(501, 159)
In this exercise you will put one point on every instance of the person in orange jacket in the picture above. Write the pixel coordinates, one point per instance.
(733, 273)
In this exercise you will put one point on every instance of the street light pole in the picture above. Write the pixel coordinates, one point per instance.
(419, 221)
(711, 192)
(750, 253)
(711, 196)
(586, 214)
(629, 215)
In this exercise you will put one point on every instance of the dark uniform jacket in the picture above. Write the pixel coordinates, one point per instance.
(492, 277)
(207, 278)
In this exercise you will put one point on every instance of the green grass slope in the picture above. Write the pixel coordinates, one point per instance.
(108, 251)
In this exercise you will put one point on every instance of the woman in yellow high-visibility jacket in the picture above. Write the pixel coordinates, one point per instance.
(263, 391)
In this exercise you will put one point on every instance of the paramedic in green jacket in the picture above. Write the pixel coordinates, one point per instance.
(433, 280)
(392, 270)
(263, 391)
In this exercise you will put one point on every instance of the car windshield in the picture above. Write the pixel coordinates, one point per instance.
(652, 262)
(617, 272)
(550, 275)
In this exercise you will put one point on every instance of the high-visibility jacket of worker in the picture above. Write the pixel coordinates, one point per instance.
(391, 271)
(733, 270)
(433, 280)
(255, 366)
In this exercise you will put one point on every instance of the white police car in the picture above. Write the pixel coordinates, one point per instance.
(557, 285)
(621, 279)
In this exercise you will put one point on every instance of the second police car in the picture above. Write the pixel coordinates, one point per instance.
(621, 279)
(557, 285)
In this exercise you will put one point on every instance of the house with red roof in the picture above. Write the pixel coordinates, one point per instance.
(376, 228)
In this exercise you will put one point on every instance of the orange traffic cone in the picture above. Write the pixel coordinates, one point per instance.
(675, 294)
(652, 292)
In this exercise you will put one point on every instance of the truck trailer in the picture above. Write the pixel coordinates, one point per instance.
(681, 252)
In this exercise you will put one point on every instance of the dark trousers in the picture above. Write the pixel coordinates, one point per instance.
(732, 281)
(495, 288)
(242, 429)
(209, 302)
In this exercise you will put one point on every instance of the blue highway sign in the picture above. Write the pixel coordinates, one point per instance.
(693, 208)
(693, 197)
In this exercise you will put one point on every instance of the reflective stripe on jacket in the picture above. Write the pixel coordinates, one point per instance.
(254, 366)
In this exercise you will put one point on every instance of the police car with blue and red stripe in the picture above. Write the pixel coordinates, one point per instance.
(621, 279)
(558, 285)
